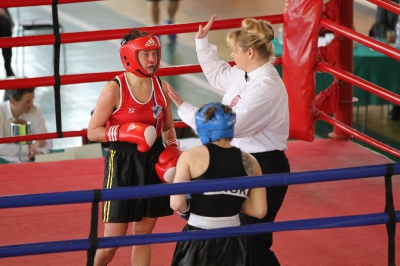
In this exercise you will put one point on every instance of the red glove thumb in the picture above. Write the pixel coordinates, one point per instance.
(166, 166)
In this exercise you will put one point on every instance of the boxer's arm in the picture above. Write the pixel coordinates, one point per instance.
(108, 100)
(165, 167)
(256, 203)
(178, 202)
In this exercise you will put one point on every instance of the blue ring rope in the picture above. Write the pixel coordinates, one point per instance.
(120, 241)
(85, 196)
(197, 187)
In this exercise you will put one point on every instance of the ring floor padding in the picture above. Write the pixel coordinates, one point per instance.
(365, 245)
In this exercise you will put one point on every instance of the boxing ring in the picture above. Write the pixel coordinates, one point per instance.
(389, 217)
(336, 100)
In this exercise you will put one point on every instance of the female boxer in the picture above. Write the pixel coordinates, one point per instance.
(134, 113)
(216, 159)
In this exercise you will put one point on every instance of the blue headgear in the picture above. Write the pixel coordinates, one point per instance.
(218, 127)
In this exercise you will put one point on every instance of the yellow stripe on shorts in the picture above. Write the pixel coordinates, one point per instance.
(106, 205)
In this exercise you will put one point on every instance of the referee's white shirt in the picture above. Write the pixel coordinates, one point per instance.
(262, 113)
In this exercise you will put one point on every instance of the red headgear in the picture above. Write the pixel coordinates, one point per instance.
(129, 51)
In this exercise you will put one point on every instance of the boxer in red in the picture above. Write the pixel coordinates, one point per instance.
(134, 114)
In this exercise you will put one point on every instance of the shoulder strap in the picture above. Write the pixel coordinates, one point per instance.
(116, 81)
(161, 92)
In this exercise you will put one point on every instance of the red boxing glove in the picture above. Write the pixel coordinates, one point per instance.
(137, 133)
(167, 160)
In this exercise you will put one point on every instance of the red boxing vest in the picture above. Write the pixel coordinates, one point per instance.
(131, 110)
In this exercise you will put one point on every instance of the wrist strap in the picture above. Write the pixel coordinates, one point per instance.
(173, 141)
(112, 133)
(187, 210)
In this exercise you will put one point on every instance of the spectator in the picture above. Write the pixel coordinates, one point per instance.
(384, 20)
(154, 9)
(20, 107)
(6, 27)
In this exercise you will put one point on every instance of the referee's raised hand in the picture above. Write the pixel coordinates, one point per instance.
(204, 31)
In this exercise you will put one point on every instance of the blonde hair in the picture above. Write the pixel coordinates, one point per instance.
(255, 34)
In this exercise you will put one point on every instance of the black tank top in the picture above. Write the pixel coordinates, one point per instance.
(224, 163)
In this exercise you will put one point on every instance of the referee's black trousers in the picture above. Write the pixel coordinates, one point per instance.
(272, 162)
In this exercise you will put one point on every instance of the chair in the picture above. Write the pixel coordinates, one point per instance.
(36, 25)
